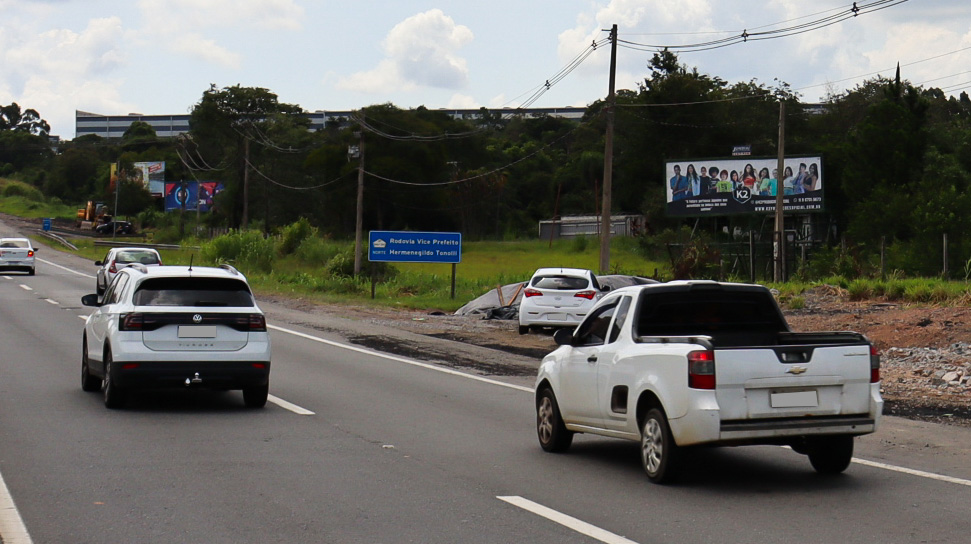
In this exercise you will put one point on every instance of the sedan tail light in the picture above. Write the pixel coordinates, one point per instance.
(586, 294)
(530, 292)
(112, 268)
(701, 369)
(30, 252)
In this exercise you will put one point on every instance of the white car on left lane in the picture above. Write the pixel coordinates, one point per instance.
(175, 327)
(17, 254)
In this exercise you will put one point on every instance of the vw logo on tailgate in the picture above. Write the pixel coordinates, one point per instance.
(197, 318)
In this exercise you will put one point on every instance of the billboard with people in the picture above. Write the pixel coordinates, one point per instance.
(731, 186)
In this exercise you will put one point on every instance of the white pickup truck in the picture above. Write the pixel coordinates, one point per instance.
(699, 363)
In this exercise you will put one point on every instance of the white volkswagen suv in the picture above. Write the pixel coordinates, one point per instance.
(175, 326)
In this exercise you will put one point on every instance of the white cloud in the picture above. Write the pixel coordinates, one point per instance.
(462, 102)
(172, 16)
(420, 53)
(194, 45)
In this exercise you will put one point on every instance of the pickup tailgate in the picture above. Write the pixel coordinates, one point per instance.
(792, 381)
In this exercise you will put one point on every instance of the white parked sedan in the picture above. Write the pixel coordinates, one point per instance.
(17, 254)
(120, 257)
(558, 297)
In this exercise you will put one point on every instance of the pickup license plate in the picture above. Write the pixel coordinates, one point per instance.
(794, 399)
(197, 331)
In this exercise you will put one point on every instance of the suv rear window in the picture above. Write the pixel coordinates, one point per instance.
(193, 292)
(562, 283)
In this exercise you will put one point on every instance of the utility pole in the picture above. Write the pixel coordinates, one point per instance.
(245, 221)
(114, 228)
(359, 223)
(608, 159)
(779, 240)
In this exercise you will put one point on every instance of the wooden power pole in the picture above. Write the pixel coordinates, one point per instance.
(779, 238)
(608, 159)
(359, 222)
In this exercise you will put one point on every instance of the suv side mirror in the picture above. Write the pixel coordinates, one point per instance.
(563, 337)
(90, 300)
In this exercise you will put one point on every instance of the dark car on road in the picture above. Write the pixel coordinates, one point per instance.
(118, 227)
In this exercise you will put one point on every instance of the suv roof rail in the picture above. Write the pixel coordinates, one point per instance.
(230, 268)
(140, 267)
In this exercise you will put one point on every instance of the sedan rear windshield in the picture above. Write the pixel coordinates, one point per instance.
(561, 283)
(15, 243)
(212, 292)
(144, 257)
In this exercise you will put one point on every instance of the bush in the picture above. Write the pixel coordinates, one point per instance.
(342, 266)
(294, 234)
(579, 244)
(316, 252)
(16, 188)
(243, 249)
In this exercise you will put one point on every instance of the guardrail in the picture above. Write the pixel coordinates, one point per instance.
(57, 238)
(106, 243)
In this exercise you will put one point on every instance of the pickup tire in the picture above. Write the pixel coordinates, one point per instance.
(553, 435)
(659, 454)
(831, 455)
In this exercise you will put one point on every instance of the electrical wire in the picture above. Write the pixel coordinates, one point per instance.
(285, 186)
(858, 8)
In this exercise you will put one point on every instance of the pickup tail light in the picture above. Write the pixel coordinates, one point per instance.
(586, 294)
(530, 292)
(701, 369)
(874, 365)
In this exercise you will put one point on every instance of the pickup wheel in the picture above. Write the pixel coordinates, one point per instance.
(831, 455)
(553, 435)
(659, 453)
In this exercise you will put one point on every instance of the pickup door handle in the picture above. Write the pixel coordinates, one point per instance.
(592, 359)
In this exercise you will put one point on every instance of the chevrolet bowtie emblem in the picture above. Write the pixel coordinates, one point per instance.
(796, 370)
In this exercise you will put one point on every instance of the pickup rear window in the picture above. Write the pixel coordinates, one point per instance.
(212, 292)
(709, 312)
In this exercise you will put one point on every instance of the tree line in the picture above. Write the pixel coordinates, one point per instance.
(896, 158)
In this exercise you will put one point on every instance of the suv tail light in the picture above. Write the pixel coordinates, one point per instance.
(530, 292)
(131, 322)
(874, 365)
(586, 294)
(701, 369)
(257, 323)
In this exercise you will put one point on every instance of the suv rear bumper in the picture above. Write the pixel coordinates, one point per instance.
(197, 374)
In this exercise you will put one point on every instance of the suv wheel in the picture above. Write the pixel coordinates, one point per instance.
(88, 382)
(255, 397)
(114, 395)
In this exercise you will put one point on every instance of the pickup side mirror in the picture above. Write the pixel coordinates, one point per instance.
(563, 337)
(90, 300)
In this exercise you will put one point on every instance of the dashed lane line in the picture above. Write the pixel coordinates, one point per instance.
(569, 522)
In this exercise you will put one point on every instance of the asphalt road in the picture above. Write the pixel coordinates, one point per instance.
(358, 446)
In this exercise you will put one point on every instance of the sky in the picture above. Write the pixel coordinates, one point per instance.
(157, 57)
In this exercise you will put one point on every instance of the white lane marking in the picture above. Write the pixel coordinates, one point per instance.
(289, 406)
(83, 275)
(895, 468)
(52, 301)
(7, 278)
(402, 360)
(25, 287)
(11, 524)
(912, 472)
(84, 317)
(569, 522)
